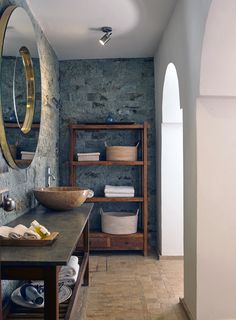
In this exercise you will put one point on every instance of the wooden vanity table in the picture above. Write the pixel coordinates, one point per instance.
(43, 263)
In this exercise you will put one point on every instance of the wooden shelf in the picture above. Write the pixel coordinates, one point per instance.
(107, 163)
(98, 126)
(117, 199)
(104, 241)
(15, 125)
(25, 161)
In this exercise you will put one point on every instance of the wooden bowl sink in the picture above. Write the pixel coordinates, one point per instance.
(62, 198)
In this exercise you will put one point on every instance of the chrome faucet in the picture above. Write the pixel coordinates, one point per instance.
(49, 177)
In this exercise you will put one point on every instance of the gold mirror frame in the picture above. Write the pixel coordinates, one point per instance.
(30, 93)
(30, 84)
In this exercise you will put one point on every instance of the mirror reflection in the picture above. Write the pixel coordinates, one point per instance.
(21, 87)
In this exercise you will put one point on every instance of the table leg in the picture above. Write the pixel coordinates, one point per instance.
(51, 303)
(86, 250)
(1, 315)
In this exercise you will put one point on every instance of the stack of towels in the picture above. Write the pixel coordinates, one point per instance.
(118, 191)
(91, 156)
(69, 273)
(19, 232)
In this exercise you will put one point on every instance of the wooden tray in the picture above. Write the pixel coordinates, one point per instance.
(30, 243)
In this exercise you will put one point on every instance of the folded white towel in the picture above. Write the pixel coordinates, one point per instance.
(18, 232)
(89, 154)
(4, 231)
(119, 195)
(31, 235)
(70, 281)
(70, 269)
(118, 189)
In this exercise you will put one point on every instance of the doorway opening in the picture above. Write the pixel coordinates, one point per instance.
(171, 167)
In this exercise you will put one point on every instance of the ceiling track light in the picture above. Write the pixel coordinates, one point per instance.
(107, 36)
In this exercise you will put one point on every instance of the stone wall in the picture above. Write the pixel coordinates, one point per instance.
(90, 91)
(21, 182)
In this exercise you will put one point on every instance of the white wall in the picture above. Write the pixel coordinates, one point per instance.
(182, 44)
(209, 117)
(216, 141)
(216, 263)
(172, 189)
(218, 76)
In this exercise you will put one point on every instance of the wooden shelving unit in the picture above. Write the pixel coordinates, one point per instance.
(12, 125)
(100, 240)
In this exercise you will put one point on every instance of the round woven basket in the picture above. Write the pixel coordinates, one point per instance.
(119, 222)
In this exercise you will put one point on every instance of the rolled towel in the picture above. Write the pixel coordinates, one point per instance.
(70, 269)
(119, 195)
(18, 232)
(4, 231)
(31, 235)
(69, 281)
(118, 189)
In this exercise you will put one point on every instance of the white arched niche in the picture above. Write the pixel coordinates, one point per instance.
(171, 167)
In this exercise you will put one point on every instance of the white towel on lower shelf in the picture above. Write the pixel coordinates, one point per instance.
(119, 195)
(118, 189)
(69, 281)
(70, 269)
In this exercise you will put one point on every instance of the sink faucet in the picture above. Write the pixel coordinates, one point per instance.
(49, 177)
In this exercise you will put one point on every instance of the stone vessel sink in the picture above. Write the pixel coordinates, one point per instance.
(62, 198)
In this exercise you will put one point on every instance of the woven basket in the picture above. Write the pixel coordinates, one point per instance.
(121, 153)
(119, 222)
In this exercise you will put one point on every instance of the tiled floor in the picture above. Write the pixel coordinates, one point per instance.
(131, 287)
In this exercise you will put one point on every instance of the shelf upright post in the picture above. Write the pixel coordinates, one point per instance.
(145, 188)
(72, 179)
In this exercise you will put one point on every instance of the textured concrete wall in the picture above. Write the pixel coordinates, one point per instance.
(21, 182)
(92, 89)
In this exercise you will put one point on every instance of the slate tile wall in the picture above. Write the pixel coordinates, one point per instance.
(90, 91)
(21, 182)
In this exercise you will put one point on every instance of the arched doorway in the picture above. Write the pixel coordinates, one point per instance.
(171, 167)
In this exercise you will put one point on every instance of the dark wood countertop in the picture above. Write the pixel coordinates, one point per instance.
(69, 224)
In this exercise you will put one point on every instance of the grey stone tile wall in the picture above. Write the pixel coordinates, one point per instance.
(21, 182)
(90, 91)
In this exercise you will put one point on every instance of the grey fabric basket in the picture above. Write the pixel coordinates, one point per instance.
(119, 222)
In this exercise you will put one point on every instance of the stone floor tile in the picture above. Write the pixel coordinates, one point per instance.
(133, 287)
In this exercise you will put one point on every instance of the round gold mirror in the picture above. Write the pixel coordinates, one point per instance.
(20, 90)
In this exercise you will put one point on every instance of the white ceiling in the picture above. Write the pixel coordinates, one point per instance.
(69, 26)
